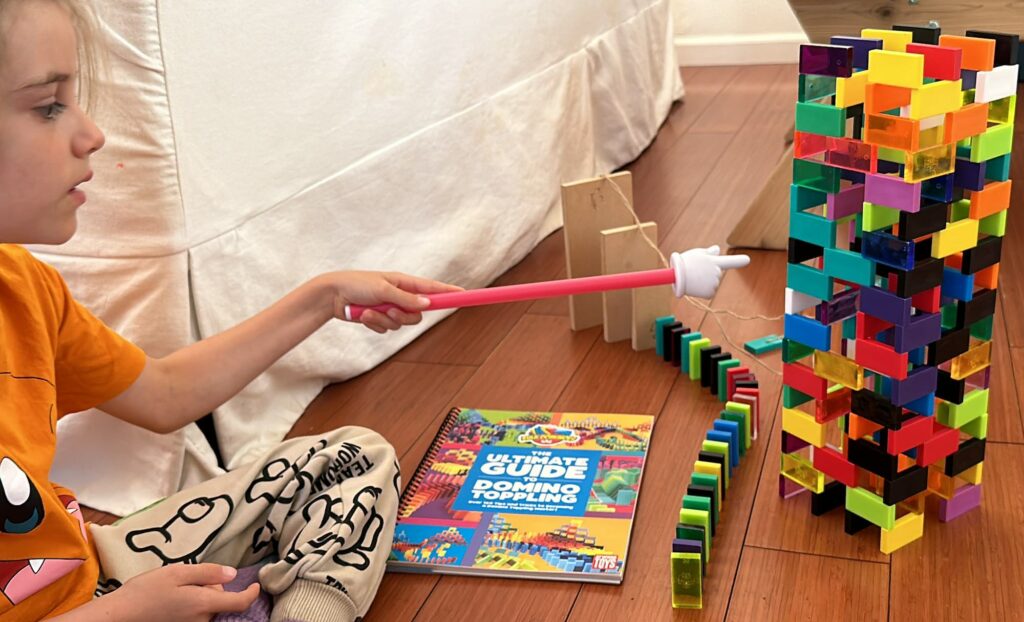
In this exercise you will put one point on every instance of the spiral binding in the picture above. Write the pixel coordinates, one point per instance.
(428, 460)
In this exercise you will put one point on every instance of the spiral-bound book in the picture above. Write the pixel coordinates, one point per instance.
(524, 495)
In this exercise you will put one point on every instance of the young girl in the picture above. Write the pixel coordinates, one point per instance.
(317, 512)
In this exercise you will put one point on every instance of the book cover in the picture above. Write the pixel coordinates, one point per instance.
(525, 495)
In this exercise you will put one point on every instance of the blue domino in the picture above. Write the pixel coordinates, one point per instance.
(733, 429)
(957, 285)
(808, 332)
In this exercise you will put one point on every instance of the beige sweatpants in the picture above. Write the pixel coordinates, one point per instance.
(321, 507)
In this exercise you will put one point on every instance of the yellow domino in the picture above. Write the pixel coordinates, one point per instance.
(935, 99)
(803, 426)
(906, 529)
(850, 91)
(973, 474)
(955, 238)
(896, 68)
(838, 369)
(892, 40)
(709, 468)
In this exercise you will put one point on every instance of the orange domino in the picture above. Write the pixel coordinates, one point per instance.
(955, 261)
(978, 54)
(861, 427)
(987, 278)
(886, 130)
(882, 97)
(994, 198)
(970, 120)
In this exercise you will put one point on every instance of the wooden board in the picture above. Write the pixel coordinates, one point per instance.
(630, 314)
(589, 207)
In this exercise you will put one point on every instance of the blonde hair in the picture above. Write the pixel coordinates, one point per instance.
(91, 53)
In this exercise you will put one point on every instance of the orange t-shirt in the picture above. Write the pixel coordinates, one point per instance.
(55, 358)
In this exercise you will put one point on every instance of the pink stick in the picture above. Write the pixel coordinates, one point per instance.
(534, 291)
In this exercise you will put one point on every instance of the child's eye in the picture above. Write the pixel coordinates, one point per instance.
(51, 111)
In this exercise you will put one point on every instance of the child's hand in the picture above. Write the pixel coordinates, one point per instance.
(181, 592)
(374, 288)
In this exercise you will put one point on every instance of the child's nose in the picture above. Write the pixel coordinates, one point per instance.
(89, 138)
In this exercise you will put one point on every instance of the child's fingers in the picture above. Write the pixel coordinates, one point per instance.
(202, 574)
(420, 285)
(233, 602)
(405, 318)
(378, 321)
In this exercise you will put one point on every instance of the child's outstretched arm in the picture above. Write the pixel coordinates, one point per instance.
(180, 388)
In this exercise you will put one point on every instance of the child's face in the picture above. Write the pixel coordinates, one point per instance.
(45, 138)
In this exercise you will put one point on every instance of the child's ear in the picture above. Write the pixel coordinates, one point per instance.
(147, 539)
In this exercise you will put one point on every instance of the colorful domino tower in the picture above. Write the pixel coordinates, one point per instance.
(897, 213)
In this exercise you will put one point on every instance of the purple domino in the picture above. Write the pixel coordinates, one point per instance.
(920, 331)
(885, 305)
(826, 60)
(964, 500)
(791, 443)
(969, 175)
(980, 379)
(846, 202)
(892, 192)
(841, 306)
(788, 488)
(860, 46)
(680, 545)
(918, 383)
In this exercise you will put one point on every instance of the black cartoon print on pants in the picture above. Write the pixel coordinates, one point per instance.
(21, 507)
(187, 533)
(356, 532)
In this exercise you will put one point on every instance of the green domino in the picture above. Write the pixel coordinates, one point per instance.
(879, 217)
(698, 518)
(810, 281)
(693, 502)
(695, 347)
(992, 143)
(870, 507)
(849, 266)
(977, 428)
(994, 224)
(723, 386)
(759, 346)
(816, 118)
(685, 341)
(982, 329)
(816, 176)
(791, 398)
(998, 169)
(952, 415)
(688, 532)
(812, 228)
(961, 209)
(794, 351)
(746, 423)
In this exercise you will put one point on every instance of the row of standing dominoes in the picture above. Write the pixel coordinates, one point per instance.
(721, 451)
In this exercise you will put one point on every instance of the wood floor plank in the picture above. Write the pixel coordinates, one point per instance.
(469, 336)
(740, 173)
(970, 568)
(1011, 269)
(527, 371)
(1016, 368)
(398, 400)
(1005, 423)
(778, 585)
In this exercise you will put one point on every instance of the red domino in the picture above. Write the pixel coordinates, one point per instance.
(730, 375)
(881, 358)
(802, 378)
(751, 401)
(868, 326)
(913, 433)
(929, 301)
(941, 63)
(832, 463)
(943, 442)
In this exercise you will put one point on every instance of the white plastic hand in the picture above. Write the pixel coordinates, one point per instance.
(699, 270)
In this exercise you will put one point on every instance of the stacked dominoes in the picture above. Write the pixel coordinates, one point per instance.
(898, 207)
(725, 444)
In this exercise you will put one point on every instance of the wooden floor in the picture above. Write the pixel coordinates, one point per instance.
(773, 560)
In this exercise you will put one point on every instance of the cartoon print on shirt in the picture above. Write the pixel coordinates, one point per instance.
(21, 578)
(182, 538)
(325, 527)
(21, 506)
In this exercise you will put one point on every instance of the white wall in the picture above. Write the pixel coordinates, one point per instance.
(735, 32)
